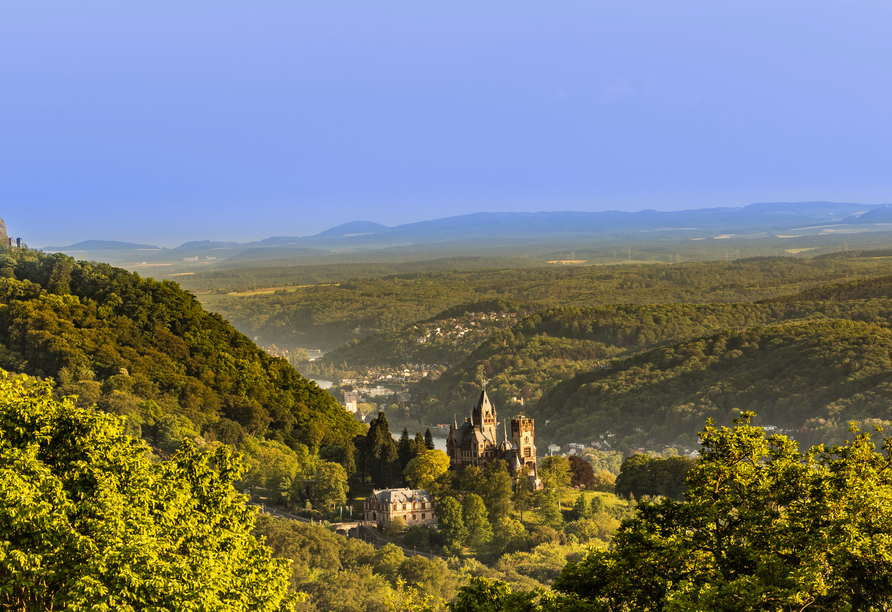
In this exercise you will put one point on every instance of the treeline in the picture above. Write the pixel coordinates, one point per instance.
(326, 317)
(249, 278)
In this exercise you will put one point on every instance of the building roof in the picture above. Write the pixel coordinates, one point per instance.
(398, 496)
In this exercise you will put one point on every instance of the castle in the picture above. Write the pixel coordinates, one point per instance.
(476, 442)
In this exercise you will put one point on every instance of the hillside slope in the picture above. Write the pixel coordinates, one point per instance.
(148, 350)
(796, 375)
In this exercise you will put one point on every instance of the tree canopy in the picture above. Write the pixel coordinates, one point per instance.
(88, 522)
(764, 527)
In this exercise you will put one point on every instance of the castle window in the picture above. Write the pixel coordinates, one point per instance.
(423, 516)
(526, 452)
(423, 505)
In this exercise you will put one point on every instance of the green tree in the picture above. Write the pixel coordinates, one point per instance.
(89, 523)
(429, 439)
(331, 484)
(496, 490)
(508, 535)
(405, 449)
(453, 533)
(381, 458)
(555, 474)
(523, 496)
(581, 508)
(423, 470)
(476, 521)
(764, 527)
(549, 508)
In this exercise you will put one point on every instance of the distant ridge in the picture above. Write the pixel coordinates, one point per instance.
(101, 245)
(354, 228)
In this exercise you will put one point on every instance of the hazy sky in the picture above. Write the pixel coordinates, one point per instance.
(162, 122)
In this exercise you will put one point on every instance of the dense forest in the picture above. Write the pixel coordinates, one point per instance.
(148, 351)
(328, 316)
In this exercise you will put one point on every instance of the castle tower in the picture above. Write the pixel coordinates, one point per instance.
(523, 435)
(484, 417)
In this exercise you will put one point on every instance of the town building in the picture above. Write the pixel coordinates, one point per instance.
(415, 506)
(476, 442)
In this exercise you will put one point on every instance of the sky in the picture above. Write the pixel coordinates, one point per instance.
(161, 122)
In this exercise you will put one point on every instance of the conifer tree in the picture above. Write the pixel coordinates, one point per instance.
(429, 439)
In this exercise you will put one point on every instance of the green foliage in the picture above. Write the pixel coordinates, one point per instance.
(643, 475)
(476, 521)
(147, 341)
(327, 316)
(378, 455)
(452, 531)
(331, 484)
(89, 523)
(394, 526)
(482, 595)
(555, 474)
(764, 527)
(793, 373)
(425, 469)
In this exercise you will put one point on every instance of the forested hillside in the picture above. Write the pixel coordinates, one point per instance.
(799, 376)
(326, 317)
(870, 288)
(442, 339)
(149, 351)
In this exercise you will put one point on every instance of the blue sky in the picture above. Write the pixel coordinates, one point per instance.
(164, 122)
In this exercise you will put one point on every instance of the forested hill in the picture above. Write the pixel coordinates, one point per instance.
(445, 338)
(814, 375)
(545, 348)
(148, 350)
(870, 288)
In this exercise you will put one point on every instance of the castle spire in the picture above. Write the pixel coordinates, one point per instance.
(505, 423)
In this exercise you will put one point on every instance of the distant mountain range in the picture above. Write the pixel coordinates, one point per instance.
(104, 245)
(500, 228)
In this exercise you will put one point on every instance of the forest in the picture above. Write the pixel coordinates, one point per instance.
(326, 316)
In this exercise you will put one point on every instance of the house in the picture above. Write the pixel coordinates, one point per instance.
(415, 506)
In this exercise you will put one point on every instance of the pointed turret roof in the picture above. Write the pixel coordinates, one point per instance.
(483, 404)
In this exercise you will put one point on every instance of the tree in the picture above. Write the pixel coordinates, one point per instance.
(555, 474)
(549, 508)
(451, 524)
(394, 526)
(523, 495)
(482, 595)
(424, 469)
(331, 484)
(581, 509)
(405, 449)
(429, 439)
(508, 535)
(381, 458)
(88, 522)
(476, 521)
(764, 527)
(419, 446)
(496, 490)
(581, 473)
